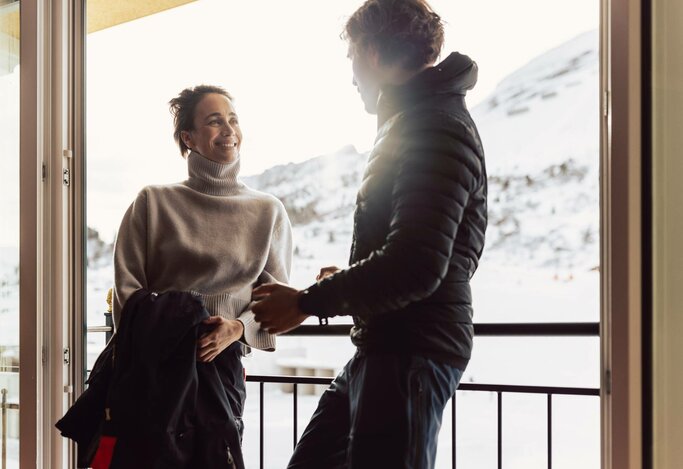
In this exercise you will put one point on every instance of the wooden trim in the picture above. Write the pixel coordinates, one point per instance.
(621, 239)
(104, 14)
(667, 224)
(29, 132)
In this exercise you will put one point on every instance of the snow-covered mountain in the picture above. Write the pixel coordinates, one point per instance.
(540, 134)
(323, 188)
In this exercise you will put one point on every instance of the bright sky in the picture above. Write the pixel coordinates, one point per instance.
(287, 68)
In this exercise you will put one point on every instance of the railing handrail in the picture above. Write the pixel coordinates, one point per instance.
(531, 329)
(507, 388)
(545, 329)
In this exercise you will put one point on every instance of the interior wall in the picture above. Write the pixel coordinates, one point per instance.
(667, 236)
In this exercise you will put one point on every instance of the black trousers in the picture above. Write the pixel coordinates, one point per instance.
(231, 392)
(382, 411)
(231, 372)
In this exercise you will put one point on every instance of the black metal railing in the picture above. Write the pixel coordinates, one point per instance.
(499, 389)
(584, 329)
(545, 329)
(4, 407)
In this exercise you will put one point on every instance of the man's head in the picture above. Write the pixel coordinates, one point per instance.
(389, 42)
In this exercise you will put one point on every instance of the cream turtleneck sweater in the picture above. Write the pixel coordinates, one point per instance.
(210, 235)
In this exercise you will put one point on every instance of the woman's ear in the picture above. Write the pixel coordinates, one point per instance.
(186, 137)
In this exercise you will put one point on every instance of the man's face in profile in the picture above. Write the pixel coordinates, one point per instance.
(364, 63)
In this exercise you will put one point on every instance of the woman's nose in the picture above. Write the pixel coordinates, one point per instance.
(228, 130)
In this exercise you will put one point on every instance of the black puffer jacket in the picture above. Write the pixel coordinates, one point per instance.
(419, 223)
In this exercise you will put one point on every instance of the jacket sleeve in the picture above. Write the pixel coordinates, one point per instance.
(436, 174)
(130, 255)
(277, 269)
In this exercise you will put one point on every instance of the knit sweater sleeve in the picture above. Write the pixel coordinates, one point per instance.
(278, 268)
(279, 264)
(130, 253)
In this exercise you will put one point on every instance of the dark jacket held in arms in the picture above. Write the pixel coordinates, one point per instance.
(419, 223)
(150, 399)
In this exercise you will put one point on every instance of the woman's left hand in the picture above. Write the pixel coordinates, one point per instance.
(220, 337)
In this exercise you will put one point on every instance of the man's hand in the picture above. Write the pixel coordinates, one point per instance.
(326, 272)
(277, 308)
(220, 337)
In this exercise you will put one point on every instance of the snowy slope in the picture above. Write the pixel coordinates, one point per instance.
(540, 134)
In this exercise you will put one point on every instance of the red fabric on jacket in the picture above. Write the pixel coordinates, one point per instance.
(104, 453)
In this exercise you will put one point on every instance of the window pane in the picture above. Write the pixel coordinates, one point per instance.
(9, 230)
(306, 138)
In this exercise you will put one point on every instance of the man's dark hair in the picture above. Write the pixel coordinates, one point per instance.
(183, 106)
(404, 31)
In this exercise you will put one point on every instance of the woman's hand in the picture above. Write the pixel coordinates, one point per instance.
(220, 337)
(326, 272)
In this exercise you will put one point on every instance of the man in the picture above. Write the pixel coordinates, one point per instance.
(418, 235)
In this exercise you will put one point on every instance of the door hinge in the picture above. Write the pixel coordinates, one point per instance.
(608, 381)
(44, 172)
(43, 356)
(67, 356)
(66, 172)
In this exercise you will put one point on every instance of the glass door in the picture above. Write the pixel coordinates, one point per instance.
(9, 234)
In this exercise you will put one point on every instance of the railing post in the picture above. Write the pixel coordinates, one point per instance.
(262, 430)
(110, 323)
(3, 405)
(107, 316)
(500, 430)
(453, 427)
(296, 410)
(550, 431)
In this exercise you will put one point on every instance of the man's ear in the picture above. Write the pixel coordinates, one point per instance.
(186, 138)
(373, 56)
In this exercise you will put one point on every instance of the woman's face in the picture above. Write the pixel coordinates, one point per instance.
(216, 134)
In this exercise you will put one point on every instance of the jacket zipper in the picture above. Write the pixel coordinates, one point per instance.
(418, 424)
(231, 460)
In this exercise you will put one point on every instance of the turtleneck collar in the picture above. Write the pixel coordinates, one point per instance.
(212, 178)
(454, 76)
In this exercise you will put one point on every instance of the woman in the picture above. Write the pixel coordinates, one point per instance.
(210, 235)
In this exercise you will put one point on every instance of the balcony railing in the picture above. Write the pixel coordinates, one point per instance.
(585, 329)
(545, 329)
(4, 407)
(499, 389)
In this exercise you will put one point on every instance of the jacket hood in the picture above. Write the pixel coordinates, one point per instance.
(455, 75)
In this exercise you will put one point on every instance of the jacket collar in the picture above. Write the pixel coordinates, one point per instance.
(453, 76)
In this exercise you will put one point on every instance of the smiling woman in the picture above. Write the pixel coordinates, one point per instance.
(206, 122)
(211, 236)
